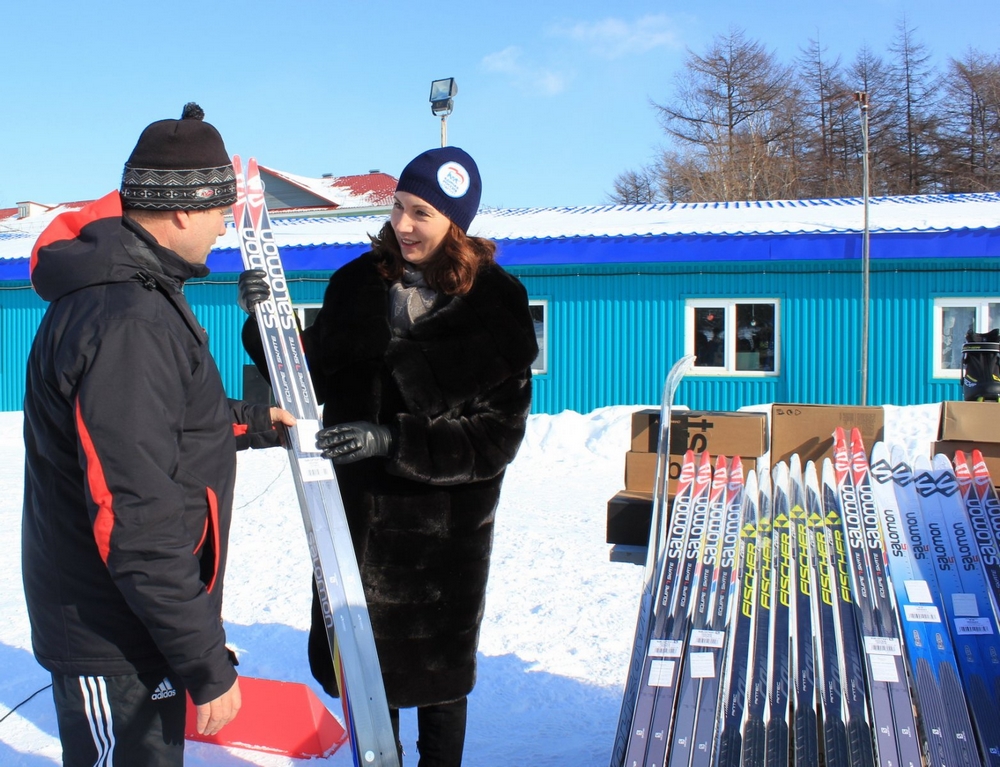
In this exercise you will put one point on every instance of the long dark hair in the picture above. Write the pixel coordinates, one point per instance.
(451, 270)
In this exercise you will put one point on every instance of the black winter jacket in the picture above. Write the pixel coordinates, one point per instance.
(130, 460)
(457, 392)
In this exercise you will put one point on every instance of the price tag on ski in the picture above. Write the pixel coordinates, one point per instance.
(338, 579)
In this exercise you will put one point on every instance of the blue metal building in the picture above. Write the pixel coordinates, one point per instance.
(768, 295)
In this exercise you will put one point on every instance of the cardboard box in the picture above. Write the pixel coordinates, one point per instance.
(990, 451)
(628, 518)
(640, 471)
(970, 422)
(717, 433)
(808, 429)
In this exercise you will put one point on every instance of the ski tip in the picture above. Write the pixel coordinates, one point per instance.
(960, 460)
(857, 441)
(721, 465)
(736, 466)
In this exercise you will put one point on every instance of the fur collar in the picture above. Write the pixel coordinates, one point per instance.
(466, 344)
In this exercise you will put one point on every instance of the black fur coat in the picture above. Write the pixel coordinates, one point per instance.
(457, 392)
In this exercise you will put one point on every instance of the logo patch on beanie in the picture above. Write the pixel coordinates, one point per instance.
(453, 179)
(205, 193)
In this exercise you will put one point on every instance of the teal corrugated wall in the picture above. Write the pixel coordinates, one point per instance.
(21, 311)
(623, 327)
(615, 330)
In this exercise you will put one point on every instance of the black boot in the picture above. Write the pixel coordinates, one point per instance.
(441, 734)
(981, 367)
(394, 718)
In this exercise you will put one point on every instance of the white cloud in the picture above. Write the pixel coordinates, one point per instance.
(614, 38)
(511, 61)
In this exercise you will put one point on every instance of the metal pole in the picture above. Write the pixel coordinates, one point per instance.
(862, 98)
(444, 130)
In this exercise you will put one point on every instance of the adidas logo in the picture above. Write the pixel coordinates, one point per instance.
(163, 690)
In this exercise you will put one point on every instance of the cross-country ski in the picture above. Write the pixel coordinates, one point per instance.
(338, 580)
(636, 709)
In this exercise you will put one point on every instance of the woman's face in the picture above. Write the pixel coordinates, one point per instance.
(420, 228)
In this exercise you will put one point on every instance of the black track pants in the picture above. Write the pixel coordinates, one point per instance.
(120, 721)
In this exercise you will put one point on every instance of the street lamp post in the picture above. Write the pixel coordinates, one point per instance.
(862, 99)
(442, 103)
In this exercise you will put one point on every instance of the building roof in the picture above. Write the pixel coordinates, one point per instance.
(365, 192)
(924, 213)
(921, 214)
(373, 189)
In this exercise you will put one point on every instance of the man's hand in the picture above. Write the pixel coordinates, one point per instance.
(281, 416)
(216, 714)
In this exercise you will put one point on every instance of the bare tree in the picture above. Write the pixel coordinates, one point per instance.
(915, 91)
(743, 126)
(870, 74)
(635, 187)
(818, 84)
(731, 112)
(970, 114)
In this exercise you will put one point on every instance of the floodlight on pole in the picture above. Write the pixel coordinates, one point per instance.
(442, 103)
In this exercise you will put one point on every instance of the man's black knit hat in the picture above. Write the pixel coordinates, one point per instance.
(179, 165)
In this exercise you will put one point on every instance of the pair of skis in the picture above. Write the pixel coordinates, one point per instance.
(966, 598)
(897, 740)
(944, 715)
(335, 568)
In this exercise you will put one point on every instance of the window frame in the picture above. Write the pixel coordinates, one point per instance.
(981, 304)
(301, 309)
(728, 370)
(543, 347)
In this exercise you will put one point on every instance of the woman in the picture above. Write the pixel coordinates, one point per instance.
(422, 354)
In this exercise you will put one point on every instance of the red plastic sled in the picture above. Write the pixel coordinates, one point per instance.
(276, 717)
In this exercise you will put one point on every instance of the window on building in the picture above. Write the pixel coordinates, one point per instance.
(306, 314)
(734, 337)
(539, 309)
(953, 318)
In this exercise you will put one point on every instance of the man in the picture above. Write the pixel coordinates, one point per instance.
(130, 459)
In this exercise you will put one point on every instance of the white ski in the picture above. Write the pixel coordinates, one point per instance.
(338, 579)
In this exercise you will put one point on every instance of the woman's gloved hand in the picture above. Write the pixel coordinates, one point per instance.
(354, 441)
(252, 288)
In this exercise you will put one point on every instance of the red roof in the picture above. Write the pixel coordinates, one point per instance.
(367, 190)
(379, 186)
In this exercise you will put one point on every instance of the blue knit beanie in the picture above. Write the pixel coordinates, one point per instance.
(448, 179)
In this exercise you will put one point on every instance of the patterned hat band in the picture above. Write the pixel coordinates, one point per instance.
(200, 189)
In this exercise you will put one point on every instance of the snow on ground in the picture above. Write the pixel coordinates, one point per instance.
(560, 616)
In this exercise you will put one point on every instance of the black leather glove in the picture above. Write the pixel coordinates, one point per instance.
(355, 441)
(252, 288)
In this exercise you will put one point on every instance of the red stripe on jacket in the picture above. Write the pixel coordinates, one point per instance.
(67, 226)
(213, 524)
(104, 522)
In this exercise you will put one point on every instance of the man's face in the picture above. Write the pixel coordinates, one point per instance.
(204, 228)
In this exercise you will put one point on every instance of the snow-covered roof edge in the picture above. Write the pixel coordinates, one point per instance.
(916, 214)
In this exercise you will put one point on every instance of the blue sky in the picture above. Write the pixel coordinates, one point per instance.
(554, 96)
